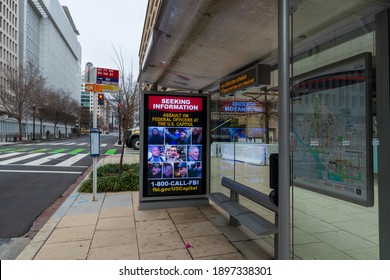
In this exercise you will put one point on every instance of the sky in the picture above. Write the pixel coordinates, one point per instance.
(104, 25)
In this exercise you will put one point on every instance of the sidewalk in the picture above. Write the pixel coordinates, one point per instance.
(7, 143)
(113, 228)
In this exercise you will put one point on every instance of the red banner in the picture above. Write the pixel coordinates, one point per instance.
(107, 73)
(107, 76)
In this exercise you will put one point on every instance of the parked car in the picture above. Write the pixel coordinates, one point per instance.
(132, 138)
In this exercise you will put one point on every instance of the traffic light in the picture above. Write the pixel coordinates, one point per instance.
(100, 99)
(123, 117)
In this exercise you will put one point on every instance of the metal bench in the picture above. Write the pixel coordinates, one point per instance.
(239, 214)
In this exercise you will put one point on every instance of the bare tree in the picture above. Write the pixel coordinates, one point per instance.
(54, 107)
(76, 109)
(69, 109)
(85, 118)
(126, 97)
(268, 100)
(270, 110)
(18, 92)
(39, 103)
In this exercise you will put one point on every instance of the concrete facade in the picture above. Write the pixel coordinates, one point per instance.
(48, 37)
(8, 37)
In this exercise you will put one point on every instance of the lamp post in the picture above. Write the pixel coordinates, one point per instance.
(112, 121)
(40, 114)
(120, 125)
(33, 137)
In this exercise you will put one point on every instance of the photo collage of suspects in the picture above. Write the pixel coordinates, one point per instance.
(174, 152)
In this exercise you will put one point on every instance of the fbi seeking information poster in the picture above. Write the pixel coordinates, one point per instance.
(174, 143)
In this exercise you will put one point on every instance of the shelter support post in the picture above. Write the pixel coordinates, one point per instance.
(382, 23)
(284, 121)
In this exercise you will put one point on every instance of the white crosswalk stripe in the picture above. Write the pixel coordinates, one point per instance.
(112, 134)
(83, 144)
(71, 160)
(44, 159)
(13, 160)
(87, 144)
(70, 144)
(40, 159)
(9, 155)
(65, 144)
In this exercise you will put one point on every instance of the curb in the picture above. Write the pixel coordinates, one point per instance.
(117, 145)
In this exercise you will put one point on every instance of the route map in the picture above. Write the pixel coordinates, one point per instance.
(329, 140)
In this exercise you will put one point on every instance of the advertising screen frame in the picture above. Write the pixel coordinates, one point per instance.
(157, 115)
(340, 158)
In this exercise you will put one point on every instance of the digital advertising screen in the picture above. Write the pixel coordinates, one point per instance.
(174, 145)
(332, 130)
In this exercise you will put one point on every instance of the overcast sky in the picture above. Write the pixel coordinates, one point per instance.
(103, 24)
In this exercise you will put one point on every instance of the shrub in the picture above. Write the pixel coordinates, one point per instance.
(108, 179)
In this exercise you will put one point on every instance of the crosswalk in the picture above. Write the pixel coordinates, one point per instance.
(21, 158)
(45, 159)
(40, 159)
(62, 144)
(66, 156)
(6, 152)
(72, 160)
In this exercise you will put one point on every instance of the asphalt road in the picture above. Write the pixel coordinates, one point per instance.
(34, 175)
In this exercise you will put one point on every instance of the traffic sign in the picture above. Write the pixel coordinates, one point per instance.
(110, 88)
(94, 140)
(93, 88)
(107, 76)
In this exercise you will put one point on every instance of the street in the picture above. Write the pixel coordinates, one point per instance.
(35, 175)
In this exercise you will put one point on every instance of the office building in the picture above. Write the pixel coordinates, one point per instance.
(9, 36)
(9, 44)
(48, 36)
(41, 32)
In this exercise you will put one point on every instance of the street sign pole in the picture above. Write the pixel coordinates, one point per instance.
(96, 79)
(94, 172)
